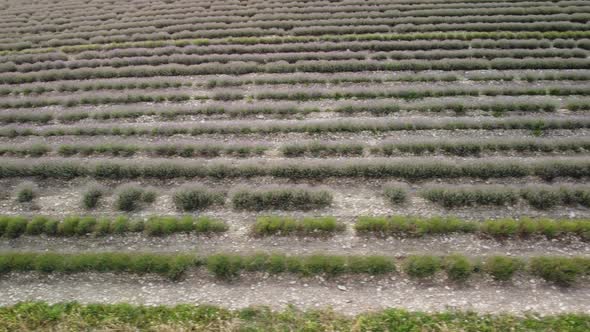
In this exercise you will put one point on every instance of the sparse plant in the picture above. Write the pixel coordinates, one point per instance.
(91, 195)
(26, 192)
(195, 197)
(131, 196)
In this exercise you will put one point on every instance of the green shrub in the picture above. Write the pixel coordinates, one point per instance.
(26, 192)
(225, 266)
(321, 264)
(85, 225)
(159, 226)
(396, 195)
(412, 226)
(156, 226)
(69, 226)
(15, 227)
(103, 227)
(120, 225)
(130, 197)
(470, 196)
(421, 266)
(51, 227)
(92, 195)
(458, 268)
(190, 198)
(501, 228)
(372, 265)
(36, 226)
(281, 199)
(276, 225)
(502, 268)
(171, 266)
(541, 198)
(3, 224)
(320, 149)
(48, 263)
(559, 270)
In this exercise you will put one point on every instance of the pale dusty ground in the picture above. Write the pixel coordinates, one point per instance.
(345, 295)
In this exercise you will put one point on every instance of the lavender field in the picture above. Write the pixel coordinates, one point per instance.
(359, 155)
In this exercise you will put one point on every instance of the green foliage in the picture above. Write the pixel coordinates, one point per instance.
(191, 197)
(372, 265)
(225, 266)
(470, 196)
(395, 194)
(547, 197)
(281, 199)
(320, 149)
(458, 267)
(497, 228)
(36, 226)
(502, 268)
(413, 170)
(160, 226)
(91, 196)
(26, 192)
(422, 266)
(80, 226)
(276, 225)
(171, 266)
(560, 270)
(14, 227)
(130, 197)
(35, 316)
(412, 226)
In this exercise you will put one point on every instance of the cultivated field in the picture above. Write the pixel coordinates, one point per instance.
(366, 165)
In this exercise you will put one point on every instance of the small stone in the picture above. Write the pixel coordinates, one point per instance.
(342, 288)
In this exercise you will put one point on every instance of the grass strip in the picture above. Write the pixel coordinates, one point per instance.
(41, 316)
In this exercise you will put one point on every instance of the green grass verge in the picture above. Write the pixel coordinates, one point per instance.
(41, 316)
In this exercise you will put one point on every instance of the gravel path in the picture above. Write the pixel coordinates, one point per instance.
(348, 295)
(343, 244)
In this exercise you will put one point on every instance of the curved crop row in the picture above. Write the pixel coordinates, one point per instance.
(239, 68)
(537, 125)
(13, 227)
(559, 270)
(414, 169)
